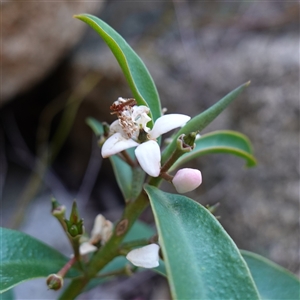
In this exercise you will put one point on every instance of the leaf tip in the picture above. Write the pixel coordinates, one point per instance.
(252, 163)
(247, 83)
(79, 17)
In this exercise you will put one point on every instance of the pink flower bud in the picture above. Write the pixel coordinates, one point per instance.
(187, 180)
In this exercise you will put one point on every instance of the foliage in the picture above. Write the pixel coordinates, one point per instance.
(199, 258)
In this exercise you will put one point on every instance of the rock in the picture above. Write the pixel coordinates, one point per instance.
(35, 37)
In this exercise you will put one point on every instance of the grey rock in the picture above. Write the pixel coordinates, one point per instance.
(35, 37)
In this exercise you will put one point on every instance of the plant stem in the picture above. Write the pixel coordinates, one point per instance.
(126, 247)
(128, 159)
(67, 266)
(110, 250)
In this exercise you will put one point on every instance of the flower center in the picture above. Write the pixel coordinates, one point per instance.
(132, 118)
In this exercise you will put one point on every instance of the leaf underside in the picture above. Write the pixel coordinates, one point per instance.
(24, 258)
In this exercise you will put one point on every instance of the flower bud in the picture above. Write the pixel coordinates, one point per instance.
(146, 257)
(187, 180)
(58, 210)
(101, 231)
(189, 139)
(74, 226)
(55, 282)
(185, 143)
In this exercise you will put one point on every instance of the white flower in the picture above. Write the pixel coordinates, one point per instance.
(146, 257)
(86, 248)
(130, 130)
(186, 180)
(101, 231)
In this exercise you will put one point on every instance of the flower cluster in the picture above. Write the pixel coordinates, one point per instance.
(130, 130)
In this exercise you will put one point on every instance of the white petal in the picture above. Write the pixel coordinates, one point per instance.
(140, 116)
(115, 127)
(107, 231)
(146, 257)
(148, 156)
(115, 144)
(167, 123)
(142, 121)
(139, 110)
(97, 230)
(86, 248)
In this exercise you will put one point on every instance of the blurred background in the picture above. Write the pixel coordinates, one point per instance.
(56, 72)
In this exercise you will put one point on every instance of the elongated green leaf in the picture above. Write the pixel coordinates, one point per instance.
(96, 126)
(223, 141)
(202, 261)
(138, 231)
(138, 179)
(130, 180)
(135, 71)
(24, 258)
(115, 265)
(8, 295)
(200, 121)
(123, 173)
(273, 282)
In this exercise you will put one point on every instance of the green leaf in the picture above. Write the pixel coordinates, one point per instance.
(135, 71)
(117, 263)
(130, 180)
(123, 173)
(200, 121)
(201, 260)
(139, 231)
(138, 179)
(24, 258)
(223, 141)
(8, 295)
(96, 126)
(273, 281)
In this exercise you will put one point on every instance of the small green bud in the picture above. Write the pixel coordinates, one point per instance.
(186, 143)
(73, 230)
(55, 282)
(57, 208)
(189, 140)
(74, 216)
(74, 224)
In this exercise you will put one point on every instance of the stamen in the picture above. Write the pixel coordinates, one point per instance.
(132, 118)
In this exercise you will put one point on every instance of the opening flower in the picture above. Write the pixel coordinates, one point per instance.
(101, 233)
(130, 130)
(146, 257)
